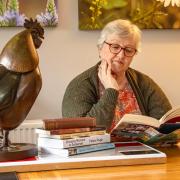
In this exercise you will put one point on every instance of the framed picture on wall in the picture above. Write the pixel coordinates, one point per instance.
(147, 14)
(14, 12)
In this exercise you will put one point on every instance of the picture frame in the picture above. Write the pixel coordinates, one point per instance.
(151, 14)
(14, 12)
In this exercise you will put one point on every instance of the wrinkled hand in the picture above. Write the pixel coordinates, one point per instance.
(106, 77)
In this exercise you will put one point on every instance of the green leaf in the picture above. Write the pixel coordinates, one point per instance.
(111, 4)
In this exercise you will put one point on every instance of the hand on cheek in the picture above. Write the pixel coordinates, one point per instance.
(105, 76)
(105, 55)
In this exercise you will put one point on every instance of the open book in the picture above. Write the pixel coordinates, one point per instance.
(171, 117)
(145, 128)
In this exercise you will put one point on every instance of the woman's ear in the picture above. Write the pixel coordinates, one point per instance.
(99, 52)
(99, 48)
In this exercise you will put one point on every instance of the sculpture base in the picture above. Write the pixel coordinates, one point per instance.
(18, 151)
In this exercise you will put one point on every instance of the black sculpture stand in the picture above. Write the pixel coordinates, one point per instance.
(16, 151)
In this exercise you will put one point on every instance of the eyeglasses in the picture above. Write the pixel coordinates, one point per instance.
(116, 49)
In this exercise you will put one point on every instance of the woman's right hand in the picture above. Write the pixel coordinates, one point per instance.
(106, 77)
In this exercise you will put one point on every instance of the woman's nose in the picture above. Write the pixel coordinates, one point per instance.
(121, 53)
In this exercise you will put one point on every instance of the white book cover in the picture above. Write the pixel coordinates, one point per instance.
(67, 143)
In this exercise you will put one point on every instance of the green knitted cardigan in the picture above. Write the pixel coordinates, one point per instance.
(82, 97)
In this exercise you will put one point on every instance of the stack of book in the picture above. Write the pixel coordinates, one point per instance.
(70, 136)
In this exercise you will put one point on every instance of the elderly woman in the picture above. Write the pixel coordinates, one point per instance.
(111, 88)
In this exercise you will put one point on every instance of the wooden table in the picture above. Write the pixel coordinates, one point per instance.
(170, 170)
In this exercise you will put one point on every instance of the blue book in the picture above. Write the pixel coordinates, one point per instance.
(77, 150)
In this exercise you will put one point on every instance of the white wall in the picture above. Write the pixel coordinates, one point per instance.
(66, 52)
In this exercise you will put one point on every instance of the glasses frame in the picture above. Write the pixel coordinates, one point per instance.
(121, 48)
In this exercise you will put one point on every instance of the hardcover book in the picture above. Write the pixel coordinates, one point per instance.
(165, 131)
(171, 117)
(63, 123)
(70, 136)
(149, 136)
(77, 150)
(67, 143)
(69, 130)
(161, 139)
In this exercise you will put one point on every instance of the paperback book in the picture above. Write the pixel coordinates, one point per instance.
(149, 130)
(41, 133)
(149, 136)
(77, 150)
(171, 117)
(67, 143)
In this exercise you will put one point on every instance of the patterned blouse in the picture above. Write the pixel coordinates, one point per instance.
(126, 103)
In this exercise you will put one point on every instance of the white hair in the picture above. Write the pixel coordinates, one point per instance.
(122, 28)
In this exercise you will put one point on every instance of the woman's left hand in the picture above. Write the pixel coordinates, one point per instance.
(106, 77)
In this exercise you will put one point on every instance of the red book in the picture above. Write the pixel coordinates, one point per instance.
(64, 123)
(33, 158)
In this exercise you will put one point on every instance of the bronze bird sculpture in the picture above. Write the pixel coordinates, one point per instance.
(20, 78)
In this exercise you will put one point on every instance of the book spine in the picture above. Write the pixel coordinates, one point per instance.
(75, 130)
(79, 122)
(77, 150)
(97, 139)
(58, 143)
(68, 131)
(90, 148)
(74, 135)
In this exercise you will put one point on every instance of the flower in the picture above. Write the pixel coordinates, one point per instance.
(13, 18)
(48, 19)
(168, 2)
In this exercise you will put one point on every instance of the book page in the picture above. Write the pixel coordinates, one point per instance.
(137, 119)
(174, 112)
